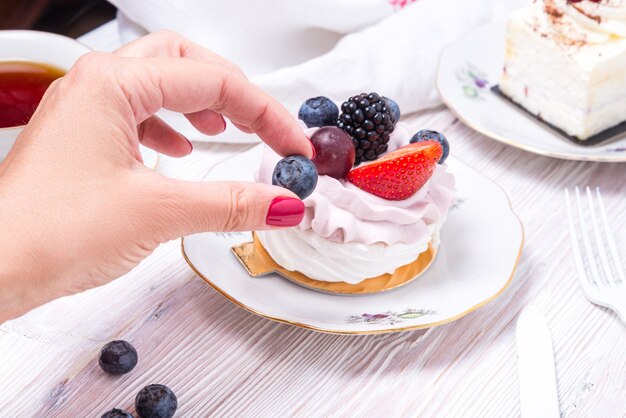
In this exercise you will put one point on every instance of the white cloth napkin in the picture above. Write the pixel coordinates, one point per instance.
(297, 49)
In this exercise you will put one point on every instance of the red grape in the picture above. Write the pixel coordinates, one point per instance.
(334, 151)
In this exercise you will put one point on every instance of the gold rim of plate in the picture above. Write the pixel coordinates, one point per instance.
(372, 332)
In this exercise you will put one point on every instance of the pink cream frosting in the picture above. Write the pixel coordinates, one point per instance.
(341, 212)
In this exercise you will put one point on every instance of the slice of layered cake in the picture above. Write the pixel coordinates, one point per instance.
(565, 62)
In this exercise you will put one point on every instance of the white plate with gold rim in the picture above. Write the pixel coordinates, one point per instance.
(469, 67)
(481, 242)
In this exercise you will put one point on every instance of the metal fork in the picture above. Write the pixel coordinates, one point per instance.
(606, 285)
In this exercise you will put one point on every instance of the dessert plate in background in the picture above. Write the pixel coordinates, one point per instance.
(470, 67)
(481, 242)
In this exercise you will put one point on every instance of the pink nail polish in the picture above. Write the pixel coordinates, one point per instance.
(285, 211)
(313, 148)
(224, 123)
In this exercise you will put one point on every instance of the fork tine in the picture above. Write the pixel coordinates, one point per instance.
(600, 246)
(578, 259)
(587, 244)
(609, 238)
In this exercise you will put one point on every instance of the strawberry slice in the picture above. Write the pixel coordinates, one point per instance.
(399, 174)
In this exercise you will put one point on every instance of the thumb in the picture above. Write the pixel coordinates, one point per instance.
(227, 206)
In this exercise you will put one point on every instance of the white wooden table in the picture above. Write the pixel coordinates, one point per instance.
(223, 361)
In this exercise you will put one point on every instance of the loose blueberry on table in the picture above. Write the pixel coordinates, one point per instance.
(116, 413)
(118, 357)
(370, 122)
(296, 173)
(334, 152)
(426, 135)
(318, 111)
(156, 401)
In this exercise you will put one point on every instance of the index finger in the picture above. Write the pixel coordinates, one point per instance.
(166, 43)
(187, 85)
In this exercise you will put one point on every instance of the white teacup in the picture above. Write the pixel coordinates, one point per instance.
(40, 47)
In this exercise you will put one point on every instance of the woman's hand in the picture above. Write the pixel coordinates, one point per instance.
(78, 208)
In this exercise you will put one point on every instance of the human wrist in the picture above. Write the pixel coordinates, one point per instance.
(19, 268)
(17, 296)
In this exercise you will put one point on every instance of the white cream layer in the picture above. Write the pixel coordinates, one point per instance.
(351, 262)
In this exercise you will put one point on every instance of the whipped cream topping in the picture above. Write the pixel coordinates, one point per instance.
(352, 262)
(581, 22)
(340, 212)
(349, 235)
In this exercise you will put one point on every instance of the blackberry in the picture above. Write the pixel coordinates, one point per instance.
(370, 122)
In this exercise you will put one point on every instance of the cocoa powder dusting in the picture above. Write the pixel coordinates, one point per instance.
(583, 12)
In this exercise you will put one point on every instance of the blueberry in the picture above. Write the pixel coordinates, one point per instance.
(319, 111)
(426, 135)
(156, 401)
(395, 109)
(296, 173)
(118, 357)
(116, 413)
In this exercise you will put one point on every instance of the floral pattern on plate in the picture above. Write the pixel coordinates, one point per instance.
(473, 80)
(389, 317)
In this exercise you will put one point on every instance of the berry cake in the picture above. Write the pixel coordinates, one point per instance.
(367, 220)
(565, 62)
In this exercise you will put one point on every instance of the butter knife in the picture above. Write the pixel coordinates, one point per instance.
(535, 360)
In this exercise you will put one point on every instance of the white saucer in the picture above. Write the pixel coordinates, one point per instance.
(480, 247)
(150, 157)
(467, 70)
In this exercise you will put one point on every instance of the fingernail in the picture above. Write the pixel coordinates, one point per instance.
(285, 211)
(223, 123)
(190, 146)
(313, 148)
